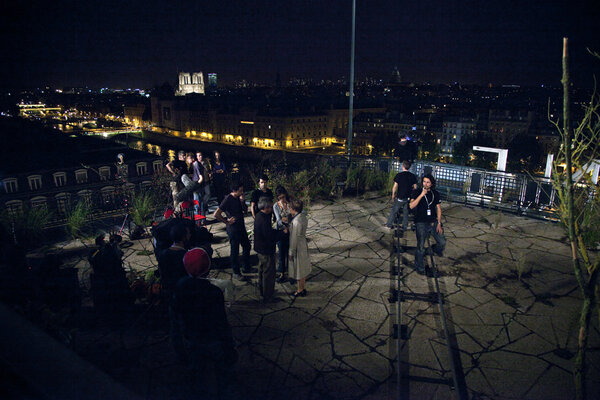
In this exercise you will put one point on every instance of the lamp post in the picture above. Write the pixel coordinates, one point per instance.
(351, 106)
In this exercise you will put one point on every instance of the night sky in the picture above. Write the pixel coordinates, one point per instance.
(139, 44)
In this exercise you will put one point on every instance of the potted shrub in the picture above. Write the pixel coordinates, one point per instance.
(77, 220)
(141, 211)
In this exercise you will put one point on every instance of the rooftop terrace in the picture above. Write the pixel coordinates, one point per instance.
(516, 338)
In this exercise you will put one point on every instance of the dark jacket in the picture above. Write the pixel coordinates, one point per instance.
(170, 266)
(265, 237)
(406, 152)
(199, 308)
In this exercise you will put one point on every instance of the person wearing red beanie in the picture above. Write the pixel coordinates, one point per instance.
(197, 262)
(202, 336)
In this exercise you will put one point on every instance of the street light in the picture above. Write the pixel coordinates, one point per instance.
(351, 105)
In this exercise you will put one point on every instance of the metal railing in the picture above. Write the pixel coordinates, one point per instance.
(518, 193)
(101, 204)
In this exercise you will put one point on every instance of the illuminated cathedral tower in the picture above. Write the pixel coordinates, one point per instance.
(190, 83)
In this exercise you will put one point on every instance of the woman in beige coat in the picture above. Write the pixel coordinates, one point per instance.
(299, 266)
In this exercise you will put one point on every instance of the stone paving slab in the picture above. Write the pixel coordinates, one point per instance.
(516, 337)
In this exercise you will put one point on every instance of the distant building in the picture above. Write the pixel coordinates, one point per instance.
(190, 83)
(386, 126)
(280, 129)
(396, 77)
(212, 80)
(456, 127)
(504, 125)
(137, 115)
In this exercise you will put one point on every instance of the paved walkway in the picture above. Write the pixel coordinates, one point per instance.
(516, 336)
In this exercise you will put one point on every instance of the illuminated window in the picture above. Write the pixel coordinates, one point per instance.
(141, 168)
(10, 185)
(35, 182)
(104, 173)
(81, 176)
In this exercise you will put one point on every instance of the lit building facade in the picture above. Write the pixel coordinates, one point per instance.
(504, 125)
(190, 83)
(137, 115)
(456, 127)
(280, 130)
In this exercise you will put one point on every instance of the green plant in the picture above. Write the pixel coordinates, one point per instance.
(590, 220)
(28, 226)
(388, 183)
(142, 209)
(497, 219)
(355, 176)
(77, 220)
(31, 227)
(523, 267)
(374, 180)
(494, 201)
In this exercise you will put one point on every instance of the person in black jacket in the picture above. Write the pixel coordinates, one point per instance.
(406, 150)
(428, 220)
(265, 239)
(170, 260)
(202, 335)
(404, 183)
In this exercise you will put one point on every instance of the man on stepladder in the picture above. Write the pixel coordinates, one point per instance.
(428, 220)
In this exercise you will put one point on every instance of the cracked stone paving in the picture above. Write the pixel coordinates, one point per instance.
(516, 337)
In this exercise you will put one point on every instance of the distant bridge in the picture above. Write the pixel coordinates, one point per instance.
(29, 110)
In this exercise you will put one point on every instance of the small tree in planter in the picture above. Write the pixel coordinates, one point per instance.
(577, 211)
(77, 221)
(141, 211)
(28, 226)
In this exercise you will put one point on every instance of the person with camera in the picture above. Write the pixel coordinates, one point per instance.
(406, 149)
(428, 220)
(109, 284)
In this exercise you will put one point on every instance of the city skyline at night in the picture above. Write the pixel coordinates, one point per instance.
(125, 45)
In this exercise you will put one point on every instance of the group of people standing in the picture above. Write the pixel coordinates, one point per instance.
(193, 174)
(199, 330)
(288, 236)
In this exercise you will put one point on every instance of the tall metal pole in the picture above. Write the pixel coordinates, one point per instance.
(351, 107)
